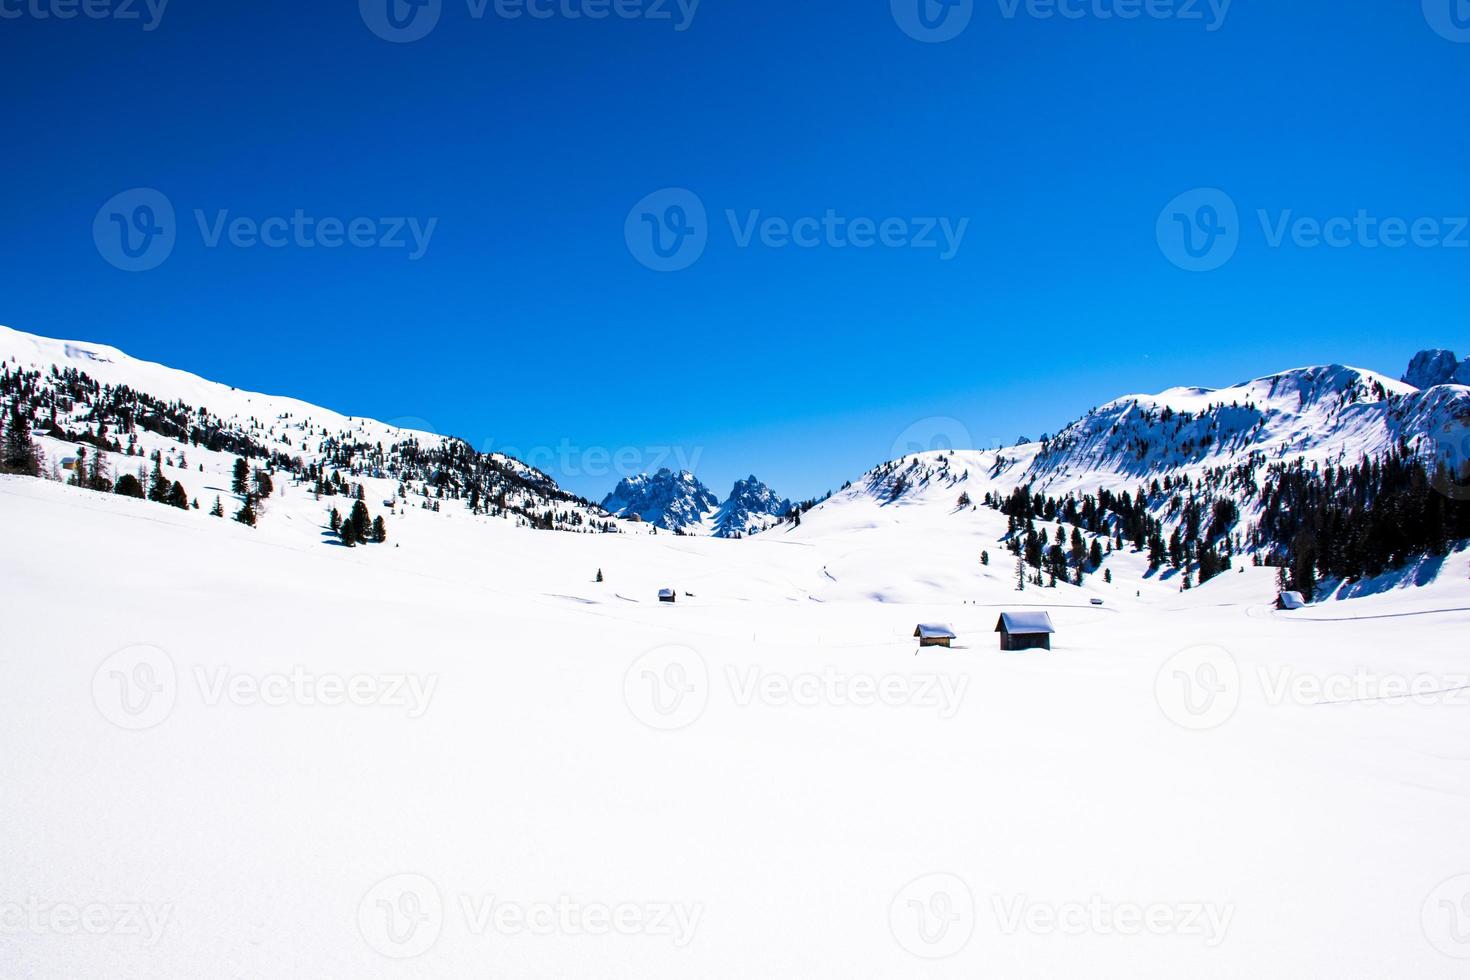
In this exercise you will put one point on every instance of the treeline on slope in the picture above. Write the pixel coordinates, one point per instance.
(1314, 522)
(1201, 540)
(1348, 522)
(71, 406)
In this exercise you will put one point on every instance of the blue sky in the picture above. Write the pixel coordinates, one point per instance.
(529, 322)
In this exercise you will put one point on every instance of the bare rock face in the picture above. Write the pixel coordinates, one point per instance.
(1436, 367)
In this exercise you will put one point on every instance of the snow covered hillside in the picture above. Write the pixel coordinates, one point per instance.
(260, 757)
(155, 423)
(1320, 414)
(466, 745)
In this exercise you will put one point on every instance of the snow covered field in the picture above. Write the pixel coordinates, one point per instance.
(236, 752)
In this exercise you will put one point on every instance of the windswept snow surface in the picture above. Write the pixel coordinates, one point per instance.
(254, 752)
(764, 779)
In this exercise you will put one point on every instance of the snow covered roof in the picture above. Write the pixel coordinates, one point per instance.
(1025, 622)
(1293, 600)
(665, 593)
(934, 631)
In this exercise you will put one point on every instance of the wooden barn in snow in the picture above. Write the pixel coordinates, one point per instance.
(1290, 600)
(933, 634)
(1025, 631)
(667, 595)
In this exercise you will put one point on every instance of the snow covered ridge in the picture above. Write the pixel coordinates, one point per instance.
(679, 502)
(126, 412)
(1331, 413)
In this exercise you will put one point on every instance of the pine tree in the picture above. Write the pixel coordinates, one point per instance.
(218, 510)
(97, 478)
(361, 521)
(158, 486)
(246, 514)
(129, 485)
(19, 452)
(599, 575)
(241, 484)
(985, 558)
(1020, 574)
(380, 530)
(178, 496)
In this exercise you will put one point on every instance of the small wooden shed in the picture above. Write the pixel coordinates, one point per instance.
(1290, 600)
(667, 595)
(1025, 631)
(933, 634)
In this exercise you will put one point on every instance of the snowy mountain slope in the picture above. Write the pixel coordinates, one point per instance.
(1201, 462)
(1320, 414)
(672, 501)
(750, 508)
(560, 738)
(680, 502)
(132, 409)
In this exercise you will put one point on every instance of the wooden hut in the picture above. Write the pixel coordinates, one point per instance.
(1290, 600)
(1025, 631)
(667, 595)
(933, 634)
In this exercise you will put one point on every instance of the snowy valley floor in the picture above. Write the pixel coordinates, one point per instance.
(249, 753)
